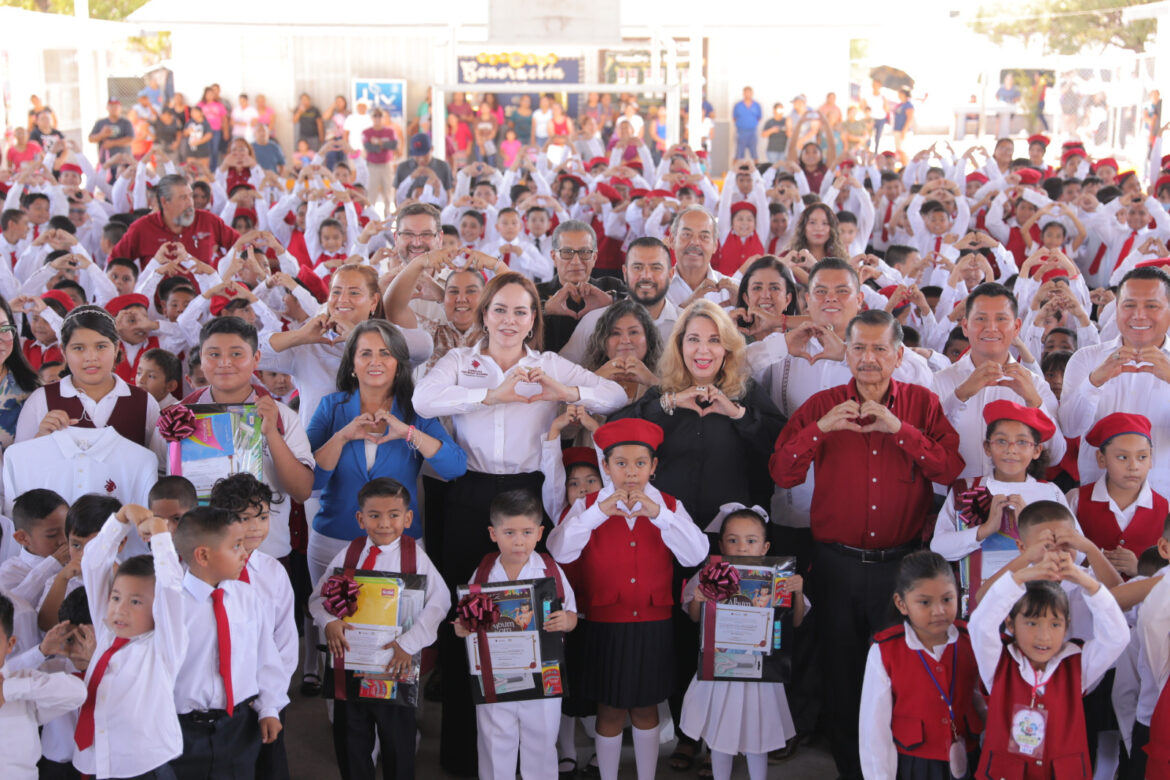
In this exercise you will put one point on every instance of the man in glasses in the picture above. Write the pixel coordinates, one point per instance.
(572, 294)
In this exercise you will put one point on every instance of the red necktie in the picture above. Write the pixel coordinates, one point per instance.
(1125, 248)
(244, 576)
(223, 633)
(507, 258)
(937, 244)
(886, 220)
(83, 736)
(1093, 266)
(13, 254)
(371, 558)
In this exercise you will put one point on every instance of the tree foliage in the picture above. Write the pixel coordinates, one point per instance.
(1066, 26)
(110, 10)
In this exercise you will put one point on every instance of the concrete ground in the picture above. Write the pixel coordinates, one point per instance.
(310, 748)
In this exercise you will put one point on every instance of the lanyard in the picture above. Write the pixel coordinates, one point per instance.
(1036, 685)
(949, 698)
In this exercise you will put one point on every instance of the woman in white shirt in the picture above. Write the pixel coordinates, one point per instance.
(501, 396)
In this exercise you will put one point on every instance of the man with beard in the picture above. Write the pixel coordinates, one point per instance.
(176, 220)
(647, 273)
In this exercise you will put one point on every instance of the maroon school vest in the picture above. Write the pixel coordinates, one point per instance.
(921, 723)
(129, 371)
(128, 417)
(627, 572)
(1100, 526)
(550, 570)
(735, 252)
(1066, 749)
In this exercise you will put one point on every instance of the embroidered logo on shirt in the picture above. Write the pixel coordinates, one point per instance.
(110, 486)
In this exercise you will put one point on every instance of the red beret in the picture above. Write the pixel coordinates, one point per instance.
(575, 456)
(1028, 176)
(635, 164)
(660, 194)
(846, 164)
(612, 195)
(620, 181)
(71, 167)
(742, 205)
(1165, 161)
(251, 214)
(630, 430)
(1105, 161)
(218, 304)
(1117, 424)
(977, 176)
(1162, 181)
(60, 297)
(116, 305)
(1035, 419)
(888, 154)
(572, 177)
(1121, 177)
(1043, 140)
(638, 192)
(1157, 262)
(597, 161)
(1053, 274)
(1068, 154)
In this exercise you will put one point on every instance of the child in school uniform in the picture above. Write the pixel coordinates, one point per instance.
(1037, 677)
(128, 726)
(136, 333)
(919, 716)
(232, 685)
(28, 699)
(528, 728)
(38, 519)
(628, 526)
(82, 523)
(384, 514)
(250, 499)
(160, 373)
(1014, 441)
(735, 717)
(1120, 512)
(171, 498)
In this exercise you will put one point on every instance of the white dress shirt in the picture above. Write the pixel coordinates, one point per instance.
(531, 262)
(1153, 630)
(680, 292)
(679, 532)
(533, 569)
(1082, 405)
(24, 575)
(574, 349)
(437, 601)
(501, 439)
(257, 668)
(879, 756)
(85, 460)
(31, 699)
(135, 728)
(270, 579)
(967, 416)
(36, 407)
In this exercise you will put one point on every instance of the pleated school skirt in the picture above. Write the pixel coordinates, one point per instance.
(628, 664)
(915, 768)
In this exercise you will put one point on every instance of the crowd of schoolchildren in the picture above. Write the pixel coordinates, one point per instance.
(447, 393)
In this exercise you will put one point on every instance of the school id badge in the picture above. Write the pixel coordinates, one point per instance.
(1026, 735)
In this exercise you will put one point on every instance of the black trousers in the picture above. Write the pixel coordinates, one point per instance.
(355, 721)
(465, 543)
(224, 750)
(1133, 766)
(804, 689)
(55, 770)
(272, 763)
(164, 772)
(853, 602)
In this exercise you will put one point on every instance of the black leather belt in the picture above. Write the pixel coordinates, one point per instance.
(211, 717)
(873, 556)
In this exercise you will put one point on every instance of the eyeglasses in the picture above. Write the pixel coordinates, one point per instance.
(582, 254)
(1019, 444)
(7, 332)
(412, 236)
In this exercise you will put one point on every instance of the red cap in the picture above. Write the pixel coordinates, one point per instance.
(71, 167)
(620, 181)
(977, 176)
(630, 430)
(1068, 154)
(1043, 140)
(1053, 274)
(575, 456)
(638, 192)
(1117, 424)
(1073, 145)
(251, 214)
(218, 304)
(742, 205)
(1165, 161)
(635, 164)
(846, 165)
(116, 305)
(596, 161)
(1157, 262)
(1035, 419)
(612, 195)
(1121, 177)
(1105, 161)
(60, 297)
(664, 194)
(572, 177)
(1161, 182)
(1028, 176)
(888, 154)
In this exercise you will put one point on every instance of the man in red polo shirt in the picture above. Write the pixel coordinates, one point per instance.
(176, 219)
(877, 445)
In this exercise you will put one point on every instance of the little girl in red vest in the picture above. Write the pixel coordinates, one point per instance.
(1120, 513)
(627, 538)
(1036, 676)
(918, 703)
(739, 717)
(977, 524)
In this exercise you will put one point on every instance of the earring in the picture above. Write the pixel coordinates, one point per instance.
(531, 332)
(652, 476)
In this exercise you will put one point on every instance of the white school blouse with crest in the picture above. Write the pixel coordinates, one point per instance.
(503, 438)
(136, 728)
(257, 669)
(436, 602)
(270, 580)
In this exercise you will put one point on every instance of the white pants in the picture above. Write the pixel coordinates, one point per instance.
(529, 727)
(320, 552)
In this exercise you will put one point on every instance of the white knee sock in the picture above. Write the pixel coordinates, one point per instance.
(646, 752)
(566, 746)
(609, 755)
(757, 766)
(721, 765)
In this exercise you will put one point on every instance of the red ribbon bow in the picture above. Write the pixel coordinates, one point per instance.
(478, 611)
(340, 594)
(973, 505)
(176, 423)
(718, 581)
